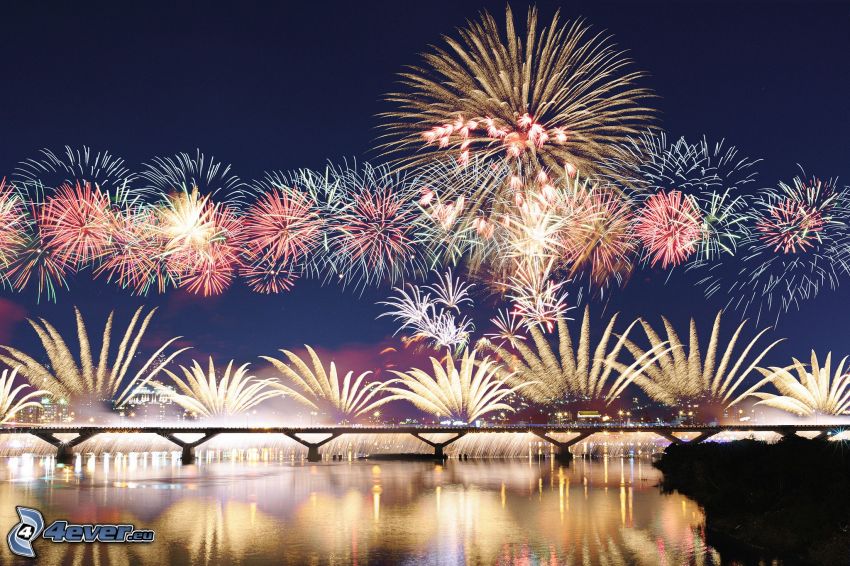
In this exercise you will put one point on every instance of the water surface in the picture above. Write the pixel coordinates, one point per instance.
(607, 511)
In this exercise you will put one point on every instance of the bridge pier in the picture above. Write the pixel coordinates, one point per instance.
(187, 449)
(439, 453)
(313, 447)
(64, 450)
(563, 454)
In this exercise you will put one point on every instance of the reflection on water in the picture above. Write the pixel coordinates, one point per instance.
(474, 512)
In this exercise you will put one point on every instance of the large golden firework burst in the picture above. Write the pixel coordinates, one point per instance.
(562, 96)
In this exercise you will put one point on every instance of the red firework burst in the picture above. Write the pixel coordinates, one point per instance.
(283, 223)
(670, 227)
(790, 226)
(78, 222)
(269, 275)
(13, 235)
(597, 235)
(375, 233)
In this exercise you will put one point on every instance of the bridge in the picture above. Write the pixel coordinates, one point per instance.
(65, 454)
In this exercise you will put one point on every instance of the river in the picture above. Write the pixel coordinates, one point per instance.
(607, 511)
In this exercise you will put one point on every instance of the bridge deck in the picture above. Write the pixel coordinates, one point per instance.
(390, 429)
(582, 432)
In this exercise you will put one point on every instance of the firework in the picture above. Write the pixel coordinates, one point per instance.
(284, 224)
(669, 226)
(714, 176)
(559, 95)
(597, 237)
(534, 229)
(99, 379)
(462, 205)
(78, 221)
(447, 330)
(434, 320)
(208, 395)
(373, 223)
(509, 328)
(693, 168)
(203, 241)
(538, 300)
(819, 391)
(411, 307)
(576, 373)
(268, 275)
(14, 223)
(211, 268)
(37, 259)
(465, 393)
(685, 373)
(799, 246)
(344, 400)
(101, 169)
(10, 403)
(451, 292)
(136, 258)
(211, 178)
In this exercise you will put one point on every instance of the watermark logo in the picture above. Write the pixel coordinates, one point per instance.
(23, 534)
(31, 526)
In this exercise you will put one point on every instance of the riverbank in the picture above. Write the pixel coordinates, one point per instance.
(789, 499)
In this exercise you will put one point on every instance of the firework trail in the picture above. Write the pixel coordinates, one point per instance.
(573, 371)
(686, 373)
(209, 395)
(460, 393)
(10, 403)
(49, 171)
(100, 379)
(322, 390)
(819, 391)
(509, 329)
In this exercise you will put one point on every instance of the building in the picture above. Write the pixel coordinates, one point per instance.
(150, 402)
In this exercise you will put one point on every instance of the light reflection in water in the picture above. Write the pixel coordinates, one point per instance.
(265, 511)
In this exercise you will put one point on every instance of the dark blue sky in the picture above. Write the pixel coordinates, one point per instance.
(280, 85)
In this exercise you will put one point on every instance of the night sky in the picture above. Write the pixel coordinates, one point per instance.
(284, 85)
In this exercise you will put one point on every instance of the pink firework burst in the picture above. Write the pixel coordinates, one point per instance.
(790, 226)
(13, 220)
(670, 228)
(269, 275)
(375, 233)
(78, 222)
(284, 223)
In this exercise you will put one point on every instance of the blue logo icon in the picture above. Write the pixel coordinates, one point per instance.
(23, 534)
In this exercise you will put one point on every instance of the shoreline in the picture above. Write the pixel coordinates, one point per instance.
(787, 500)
